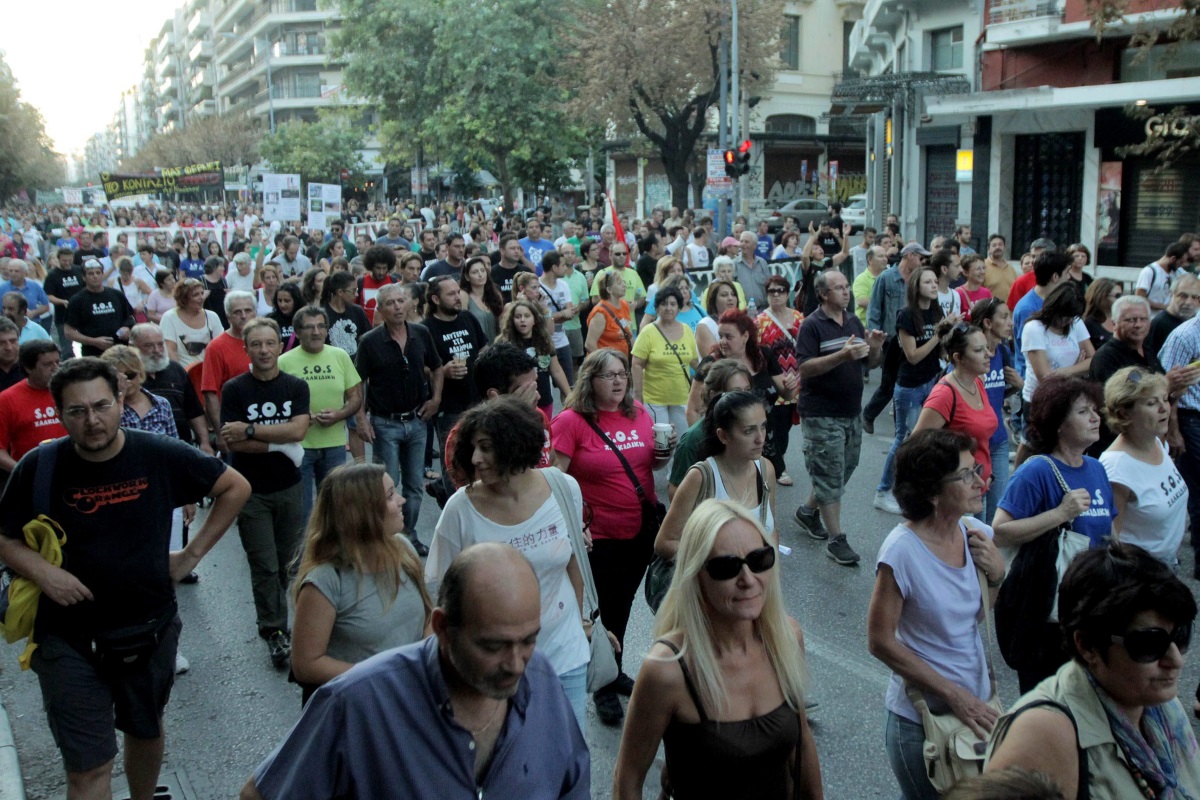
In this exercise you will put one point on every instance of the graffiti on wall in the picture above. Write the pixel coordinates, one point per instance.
(816, 185)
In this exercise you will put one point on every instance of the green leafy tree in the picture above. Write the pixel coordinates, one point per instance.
(317, 151)
(476, 81)
(27, 157)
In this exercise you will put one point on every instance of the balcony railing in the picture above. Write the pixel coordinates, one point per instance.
(1001, 11)
(277, 50)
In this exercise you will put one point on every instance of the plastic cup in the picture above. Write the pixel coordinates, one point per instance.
(662, 439)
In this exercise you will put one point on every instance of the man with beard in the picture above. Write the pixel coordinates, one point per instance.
(170, 381)
(478, 709)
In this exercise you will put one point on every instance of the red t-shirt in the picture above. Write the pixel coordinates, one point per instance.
(368, 293)
(1021, 287)
(224, 358)
(979, 423)
(28, 417)
(616, 513)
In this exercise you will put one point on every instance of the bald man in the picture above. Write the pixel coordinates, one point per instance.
(471, 711)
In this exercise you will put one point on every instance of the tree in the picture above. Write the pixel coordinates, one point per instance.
(27, 156)
(230, 139)
(317, 151)
(662, 79)
(475, 80)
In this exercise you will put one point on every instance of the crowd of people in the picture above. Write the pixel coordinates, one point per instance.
(321, 388)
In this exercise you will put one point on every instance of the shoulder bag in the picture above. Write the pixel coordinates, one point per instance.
(1084, 792)
(602, 666)
(624, 331)
(652, 513)
(952, 751)
(687, 376)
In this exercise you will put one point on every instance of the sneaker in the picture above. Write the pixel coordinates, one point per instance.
(809, 520)
(608, 707)
(623, 685)
(181, 664)
(784, 480)
(868, 426)
(421, 549)
(840, 551)
(884, 501)
(280, 646)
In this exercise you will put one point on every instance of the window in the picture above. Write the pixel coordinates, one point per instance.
(797, 124)
(789, 49)
(946, 49)
(847, 28)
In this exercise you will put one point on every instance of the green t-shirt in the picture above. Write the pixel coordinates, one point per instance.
(665, 382)
(329, 375)
(863, 285)
(687, 452)
(579, 291)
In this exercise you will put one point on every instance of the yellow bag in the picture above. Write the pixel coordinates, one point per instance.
(46, 537)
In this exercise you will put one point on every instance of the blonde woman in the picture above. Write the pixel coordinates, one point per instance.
(267, 279)
(725, 648)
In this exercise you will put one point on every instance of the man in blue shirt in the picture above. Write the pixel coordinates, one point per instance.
(39, 304)
(1048, 270)
(535, 246)
(766, 242)
(472, 711)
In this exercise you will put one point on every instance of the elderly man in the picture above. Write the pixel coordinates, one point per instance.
(16, 308)
(608, 233)
(479, 710)
(170, 381)
(1181, 349)
(35, 295)
(752, 272)
(1185, 298)
(226, 358)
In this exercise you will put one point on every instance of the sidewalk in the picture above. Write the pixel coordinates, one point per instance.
(11, 785)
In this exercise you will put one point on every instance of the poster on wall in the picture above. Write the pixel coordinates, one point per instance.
(324, 204)
(1108, 209)
(281, 197)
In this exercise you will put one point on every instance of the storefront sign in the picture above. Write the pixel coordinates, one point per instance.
(1159, 126)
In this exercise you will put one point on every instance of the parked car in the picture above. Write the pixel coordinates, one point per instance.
(854, 212)
(804, 211)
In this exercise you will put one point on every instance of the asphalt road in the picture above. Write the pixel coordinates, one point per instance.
(232, 707)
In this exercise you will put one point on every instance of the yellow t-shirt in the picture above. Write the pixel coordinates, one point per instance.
(664, 381)
(863, 285)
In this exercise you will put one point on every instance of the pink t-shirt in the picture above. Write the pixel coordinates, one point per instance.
(979, 424)
(616, 513)
(970, 298)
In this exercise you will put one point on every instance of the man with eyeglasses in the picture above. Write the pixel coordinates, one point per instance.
(264, 418)
(107, 622)
(395, 360)
(1185, 298)
(335, 395)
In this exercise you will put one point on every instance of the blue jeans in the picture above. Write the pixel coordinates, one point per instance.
(400, 447)
(904, 742)
(318, 462)
(1000, 470)
(574, 683)
(565, 361)
(906, 406)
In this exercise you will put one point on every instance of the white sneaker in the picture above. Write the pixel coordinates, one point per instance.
(884, 501)
(181, 664)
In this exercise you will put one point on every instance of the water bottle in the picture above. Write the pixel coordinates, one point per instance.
(752, 307)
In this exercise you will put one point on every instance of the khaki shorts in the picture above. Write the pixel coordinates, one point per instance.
(831, 447)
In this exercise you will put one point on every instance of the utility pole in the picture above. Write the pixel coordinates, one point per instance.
(734, 93)
(722, 129)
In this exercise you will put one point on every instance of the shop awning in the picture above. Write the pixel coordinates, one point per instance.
(1046, 98)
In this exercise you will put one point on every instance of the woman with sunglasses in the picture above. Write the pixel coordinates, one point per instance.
(922, 622)
(1127, 623)
(1150, 495)
(778, 327)
(993, 317)
(1063, 422)
(723, 686)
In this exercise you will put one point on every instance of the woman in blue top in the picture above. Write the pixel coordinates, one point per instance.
(995, 320)
(192, 265)
(1064, 420)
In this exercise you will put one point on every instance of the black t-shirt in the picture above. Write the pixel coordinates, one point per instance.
(117, 517)
(287, 331)
(829, 242)
(346, 328)
(99, 314)
(12, 376)
(215, 301)
(1160, 328)
(544, 383)
(838, 392)
(926, 369)
(761, 383)
(63, 284)
(462, 338)
(274, 402)
(168, 258)
(647, 265)
(82, 255)
(174, 386)
(503, 277)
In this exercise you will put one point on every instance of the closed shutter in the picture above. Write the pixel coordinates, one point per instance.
(1162, 204)
(941, 192)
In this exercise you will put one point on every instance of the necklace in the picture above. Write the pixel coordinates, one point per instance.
(741, 493)
(491, 719)
(974, 391)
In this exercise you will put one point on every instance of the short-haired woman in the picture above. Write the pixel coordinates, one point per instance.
(722, 688)
(610, 322)
(1149, 493)
(923, 621)
(1127, 622)
(509, 500)
(663, 357)
(189, 326)
(162, 299)
(721, 296)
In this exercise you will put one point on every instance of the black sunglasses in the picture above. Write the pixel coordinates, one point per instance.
(1147, 645)
(723, 568)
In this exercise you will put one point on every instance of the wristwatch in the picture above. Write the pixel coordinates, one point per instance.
(250, 431)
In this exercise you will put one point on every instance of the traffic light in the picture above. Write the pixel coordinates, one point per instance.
(737, 161)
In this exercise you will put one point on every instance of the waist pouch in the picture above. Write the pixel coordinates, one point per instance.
(130, 647)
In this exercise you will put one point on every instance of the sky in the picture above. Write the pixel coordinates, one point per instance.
(74, 70)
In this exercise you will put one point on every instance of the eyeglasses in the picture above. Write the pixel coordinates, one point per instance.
(777, 290)
(1134, 377)
(723, 568)
(612, 376)
(1147, 645)
(975, 473)
(80, 412)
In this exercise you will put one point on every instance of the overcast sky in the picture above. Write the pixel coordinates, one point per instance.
(72, 59)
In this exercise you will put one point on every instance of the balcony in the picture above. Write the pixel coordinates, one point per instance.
(1023, 21)
(201, 50)
(199, 23)
(255, 25)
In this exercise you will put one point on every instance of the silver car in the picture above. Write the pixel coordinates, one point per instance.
(804, 211)
(854, 212)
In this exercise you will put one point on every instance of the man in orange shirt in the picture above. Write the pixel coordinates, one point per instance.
(999, 275)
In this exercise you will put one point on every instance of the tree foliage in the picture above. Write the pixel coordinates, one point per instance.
(317, 151)
(230, 139)
(662, 79)
(27, 157)
(476, 83)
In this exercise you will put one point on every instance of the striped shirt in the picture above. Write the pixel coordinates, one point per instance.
(160, 418)
(1182, 347)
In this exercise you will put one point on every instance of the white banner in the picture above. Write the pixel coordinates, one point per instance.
(281, 197)
(324, 202)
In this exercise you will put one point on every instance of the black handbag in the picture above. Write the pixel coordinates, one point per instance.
(131, 647)
(1025, 600)
(654, 513)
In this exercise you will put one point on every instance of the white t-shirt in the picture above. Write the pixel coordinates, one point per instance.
(1156, 282)
(239, 282)
(1063, 351)
(561, 294)
(950, 301)
(699, 255)
(544, 539)
(190, 342)
(1156, 515)
(720, 493)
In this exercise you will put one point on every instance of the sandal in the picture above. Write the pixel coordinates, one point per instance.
(784, 480)
(432, 474)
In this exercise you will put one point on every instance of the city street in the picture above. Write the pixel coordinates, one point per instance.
(232, 707)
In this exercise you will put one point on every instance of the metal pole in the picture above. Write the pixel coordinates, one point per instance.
(722, 130)
(270, 90)
(591, 178)
(735, 95)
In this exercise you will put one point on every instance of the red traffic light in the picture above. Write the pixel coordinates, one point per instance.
(730, 157)
(744, 147)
